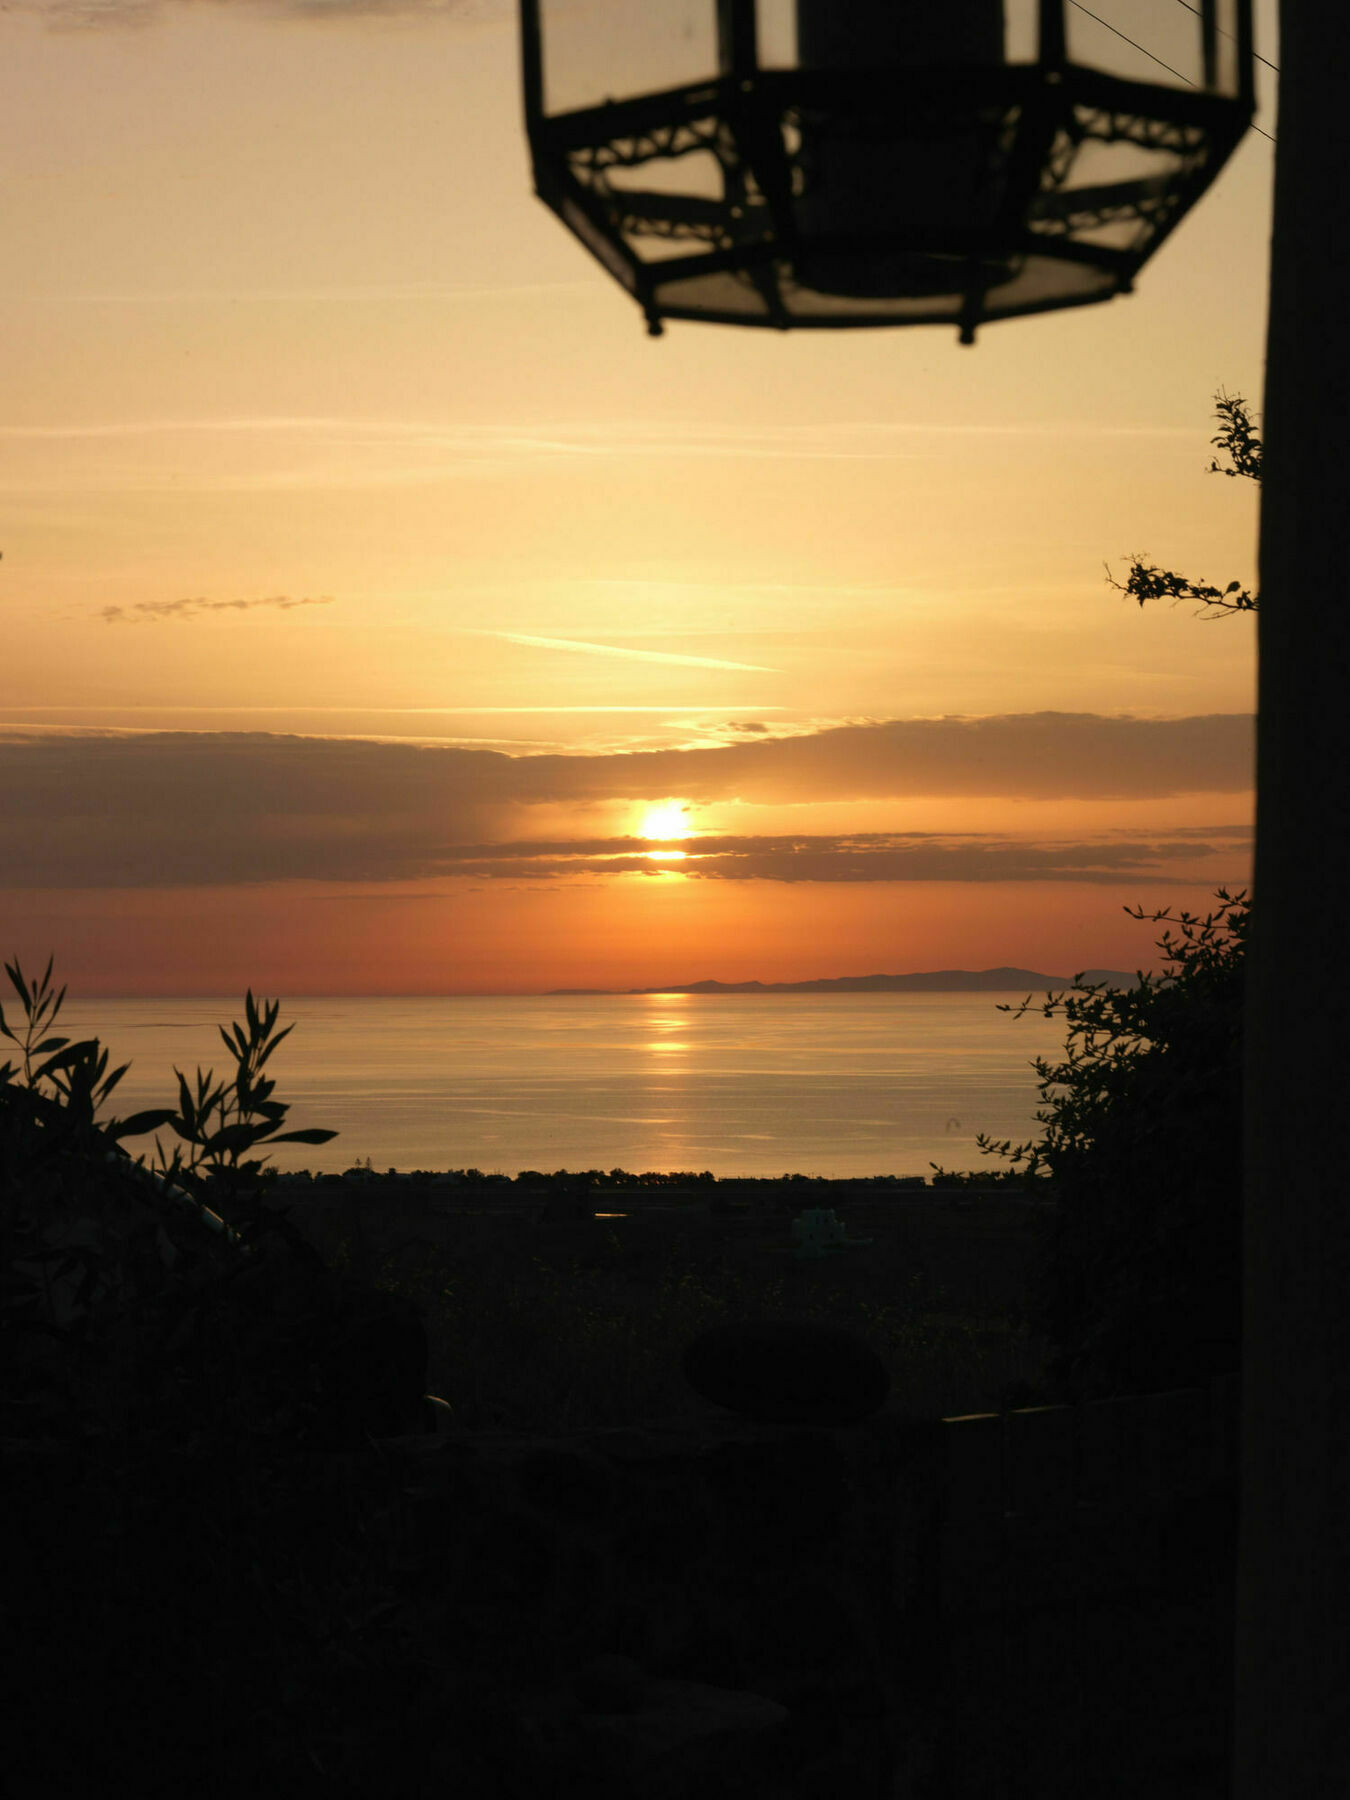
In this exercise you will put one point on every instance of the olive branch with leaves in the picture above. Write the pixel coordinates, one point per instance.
(219, 1123)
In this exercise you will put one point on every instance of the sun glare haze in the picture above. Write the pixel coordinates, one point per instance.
(289, 417)
(668, 820)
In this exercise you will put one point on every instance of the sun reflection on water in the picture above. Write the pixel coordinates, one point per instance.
(666, 1023)
(667, 1040)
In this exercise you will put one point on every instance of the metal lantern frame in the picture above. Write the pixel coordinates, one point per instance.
(1028, 238)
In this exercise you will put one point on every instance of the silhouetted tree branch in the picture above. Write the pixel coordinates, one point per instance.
(1237, 438)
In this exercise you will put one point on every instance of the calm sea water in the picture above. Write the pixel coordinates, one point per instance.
(847, 1085)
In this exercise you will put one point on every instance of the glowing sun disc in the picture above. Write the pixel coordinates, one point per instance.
(669, 820)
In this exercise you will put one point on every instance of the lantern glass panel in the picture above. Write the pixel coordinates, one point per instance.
(1021, 31)
(1118, 191)
(668, 206)
(599, 50)
(727, 292)
(1111, 164)
(1036, 281)
(778, 42)
(1174, 36)
(664, 206)
(599, 245)
(776, 29)
(811, 304)
(694, 172)
(876, 34)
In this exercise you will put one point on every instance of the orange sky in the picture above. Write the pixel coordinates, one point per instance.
(339, 484)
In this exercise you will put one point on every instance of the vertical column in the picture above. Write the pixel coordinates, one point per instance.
(1292, 1719)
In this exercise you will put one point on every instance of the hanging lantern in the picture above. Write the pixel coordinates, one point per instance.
(835, 163)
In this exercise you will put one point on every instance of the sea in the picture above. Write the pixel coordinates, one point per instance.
(841, 1086)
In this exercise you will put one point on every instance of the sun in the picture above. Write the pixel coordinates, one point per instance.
(668, 819)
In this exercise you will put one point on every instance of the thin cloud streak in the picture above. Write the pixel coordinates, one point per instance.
(155, 610)
(617, 437)
(674, 710)
(346, 296)
(122, 15)
(647, 656)
(328, 453)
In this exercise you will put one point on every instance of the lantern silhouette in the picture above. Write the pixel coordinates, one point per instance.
(836, 163)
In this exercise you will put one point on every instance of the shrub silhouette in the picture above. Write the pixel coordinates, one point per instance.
(180, 1293)
(187, 1407)
(1140, 1282)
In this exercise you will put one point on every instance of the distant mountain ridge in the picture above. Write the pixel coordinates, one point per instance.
(932, 981)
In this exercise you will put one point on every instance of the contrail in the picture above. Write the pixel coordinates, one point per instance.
(691, 708)
(651, 656)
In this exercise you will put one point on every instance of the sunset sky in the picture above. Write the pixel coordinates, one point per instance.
(378, 597)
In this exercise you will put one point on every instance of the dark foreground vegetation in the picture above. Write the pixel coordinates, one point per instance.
(573, 1307)
(213, 1378)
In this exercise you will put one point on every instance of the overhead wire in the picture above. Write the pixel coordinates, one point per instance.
(1135, 45)
(1229, 35)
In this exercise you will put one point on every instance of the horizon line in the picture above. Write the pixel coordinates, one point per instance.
(618, 993)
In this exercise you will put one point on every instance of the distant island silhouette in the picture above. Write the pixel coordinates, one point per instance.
(933, 981)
